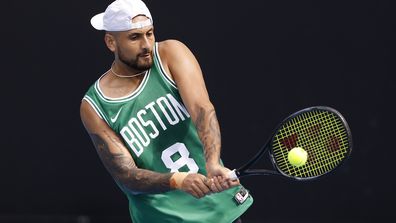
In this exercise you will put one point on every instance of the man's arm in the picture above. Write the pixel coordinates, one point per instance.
(185, 70)
(120, 164)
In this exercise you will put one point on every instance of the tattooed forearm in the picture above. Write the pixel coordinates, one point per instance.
(121, 166)
(209, 133)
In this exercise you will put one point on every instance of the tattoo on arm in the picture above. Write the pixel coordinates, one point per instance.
(121, 166)
(209, 133)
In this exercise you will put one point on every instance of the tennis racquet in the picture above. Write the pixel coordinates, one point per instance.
(321, 131)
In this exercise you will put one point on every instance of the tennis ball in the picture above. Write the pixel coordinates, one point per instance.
(297, 156)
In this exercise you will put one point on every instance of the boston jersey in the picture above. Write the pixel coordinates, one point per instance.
(160, 135)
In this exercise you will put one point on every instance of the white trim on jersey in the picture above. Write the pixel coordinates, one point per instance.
(95, 108)
(128, 97)
(161, 68)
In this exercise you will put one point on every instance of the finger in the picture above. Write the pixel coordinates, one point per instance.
(233, 183)
(197, 191)
(225, 183)
(193, 193)
(217, 184)
(210, 183)
(203, 187)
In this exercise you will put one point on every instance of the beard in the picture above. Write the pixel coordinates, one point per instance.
(135, 63)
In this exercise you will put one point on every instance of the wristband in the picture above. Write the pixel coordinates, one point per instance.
(177, 179)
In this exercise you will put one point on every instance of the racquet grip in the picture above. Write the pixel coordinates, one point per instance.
(232, 175)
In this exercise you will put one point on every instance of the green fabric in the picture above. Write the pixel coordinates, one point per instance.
(161, 136)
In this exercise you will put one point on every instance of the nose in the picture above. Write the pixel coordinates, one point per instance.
(145, 43)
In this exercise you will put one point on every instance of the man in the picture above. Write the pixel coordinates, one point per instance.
(154, 127)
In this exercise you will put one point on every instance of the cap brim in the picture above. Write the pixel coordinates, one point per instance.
(97, 21)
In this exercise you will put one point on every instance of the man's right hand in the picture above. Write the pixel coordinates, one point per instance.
(194, 183)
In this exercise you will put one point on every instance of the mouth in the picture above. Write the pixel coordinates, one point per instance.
(146, 55)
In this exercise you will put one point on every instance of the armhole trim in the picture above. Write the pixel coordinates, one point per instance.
(95, 108)
(163, 73)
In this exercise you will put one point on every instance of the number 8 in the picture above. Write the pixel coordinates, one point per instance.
(184, 159)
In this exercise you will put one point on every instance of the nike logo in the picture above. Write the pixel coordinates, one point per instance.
(114, 119)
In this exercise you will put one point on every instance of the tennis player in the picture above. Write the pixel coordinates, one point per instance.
(154, 127)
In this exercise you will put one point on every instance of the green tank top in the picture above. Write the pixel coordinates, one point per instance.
(160, 135)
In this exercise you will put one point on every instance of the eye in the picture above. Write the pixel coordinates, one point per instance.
(149, 34)
(133, 37)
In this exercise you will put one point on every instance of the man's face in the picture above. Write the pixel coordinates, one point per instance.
(135, 47)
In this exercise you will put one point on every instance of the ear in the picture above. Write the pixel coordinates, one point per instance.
(111, 42)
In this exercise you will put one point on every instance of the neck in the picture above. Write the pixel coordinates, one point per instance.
(123, 74)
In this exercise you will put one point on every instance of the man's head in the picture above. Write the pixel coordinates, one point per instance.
(129, 32)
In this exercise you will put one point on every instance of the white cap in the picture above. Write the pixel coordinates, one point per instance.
(119, 14)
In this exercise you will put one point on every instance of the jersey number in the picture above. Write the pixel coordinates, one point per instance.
(184, 159)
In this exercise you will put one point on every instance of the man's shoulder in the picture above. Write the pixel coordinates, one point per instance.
(170, 44)
(172, 51)
(171, 47)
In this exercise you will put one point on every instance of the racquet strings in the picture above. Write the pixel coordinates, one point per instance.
(321, 133)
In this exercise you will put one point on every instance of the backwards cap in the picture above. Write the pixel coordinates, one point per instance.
(119, 14)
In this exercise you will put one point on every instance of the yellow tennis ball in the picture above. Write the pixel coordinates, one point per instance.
(297, 156)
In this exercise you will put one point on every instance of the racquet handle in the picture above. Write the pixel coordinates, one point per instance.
(232, 175)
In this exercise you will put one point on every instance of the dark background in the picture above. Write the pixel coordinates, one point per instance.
(262, 60)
